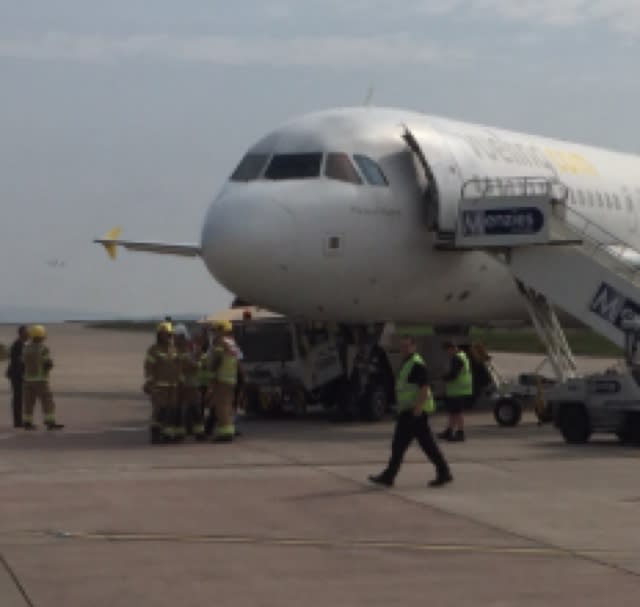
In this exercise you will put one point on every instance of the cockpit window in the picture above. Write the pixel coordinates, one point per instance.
(250, 167)
(339, 166)
(294, 166)
(371, 171)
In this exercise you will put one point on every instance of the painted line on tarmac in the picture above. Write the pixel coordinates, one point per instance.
(345, 543)
(15, 582)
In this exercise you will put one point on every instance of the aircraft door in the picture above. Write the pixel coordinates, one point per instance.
(441, 178)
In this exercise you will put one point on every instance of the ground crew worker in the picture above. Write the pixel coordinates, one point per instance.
(15, 373)
(38, 363)
(224, 362)
(162, 372)
(189, 416)
(414, 405)
(458, 392)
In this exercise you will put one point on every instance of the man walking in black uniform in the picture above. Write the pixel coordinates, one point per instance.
(415, 402)
(15, 373)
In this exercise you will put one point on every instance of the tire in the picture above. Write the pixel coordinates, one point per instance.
(631, 430)
(508, 412)
(346, 404)
(375, 404)
(575, 424)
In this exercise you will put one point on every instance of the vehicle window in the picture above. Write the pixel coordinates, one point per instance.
(616, 202)
(294, 166)
(250, 167)
(340, 167)
(265, 342)
(371, 171)
(581, 198)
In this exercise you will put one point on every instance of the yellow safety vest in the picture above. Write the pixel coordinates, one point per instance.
(463, 384)
(406, 392)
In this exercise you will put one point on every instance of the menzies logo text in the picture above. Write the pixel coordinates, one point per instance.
(496, 222)
(613, 306)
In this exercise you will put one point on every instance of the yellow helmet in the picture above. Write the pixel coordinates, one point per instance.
(224, 326)
(164, 327)
(37, 332)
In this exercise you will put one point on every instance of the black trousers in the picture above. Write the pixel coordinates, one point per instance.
(16, 402)
(408, 427)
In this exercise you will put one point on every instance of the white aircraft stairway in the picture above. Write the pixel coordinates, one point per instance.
(557, 256)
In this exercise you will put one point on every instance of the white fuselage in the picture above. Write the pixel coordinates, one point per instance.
(323, 248)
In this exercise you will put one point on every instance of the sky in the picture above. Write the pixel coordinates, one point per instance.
(134, 112)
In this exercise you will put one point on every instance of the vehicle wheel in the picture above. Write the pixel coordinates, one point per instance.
(632, 429)
(375, 405)
(508, 412)
(252, 402)
(346, 404)
(575, 424)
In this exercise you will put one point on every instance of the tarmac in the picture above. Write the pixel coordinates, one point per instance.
(95, 516)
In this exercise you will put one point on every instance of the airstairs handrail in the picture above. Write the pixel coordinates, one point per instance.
(601, 241)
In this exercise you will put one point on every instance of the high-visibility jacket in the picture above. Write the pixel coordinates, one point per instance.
(406, 393)
(228, 369)
(162, 366)
(189, 368)
(37, 362)
(462, 385)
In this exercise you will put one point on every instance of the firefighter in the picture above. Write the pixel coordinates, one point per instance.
(205, 378)
(162, 372)
(189, 410)
(224, 362)
(38, 363)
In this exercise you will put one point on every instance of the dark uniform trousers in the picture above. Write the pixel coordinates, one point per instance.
(16, 387)
(408, 427)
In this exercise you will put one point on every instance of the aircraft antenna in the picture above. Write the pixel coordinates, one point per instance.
(369, 96)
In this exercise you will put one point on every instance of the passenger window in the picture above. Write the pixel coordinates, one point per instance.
(616, 202)
(580, 197)
(340, 167)
(250, 167)
(599, 199)
(590, 198)
(371, 171)
(294, 166)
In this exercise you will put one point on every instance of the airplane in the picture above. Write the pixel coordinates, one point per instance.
(347, 215)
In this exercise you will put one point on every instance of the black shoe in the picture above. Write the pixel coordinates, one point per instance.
(55, 426)
(442, 479)
(381, 479)
(29, 426)
(458, 437)
(446, 435)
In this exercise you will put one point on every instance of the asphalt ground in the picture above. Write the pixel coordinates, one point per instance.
(95, 516)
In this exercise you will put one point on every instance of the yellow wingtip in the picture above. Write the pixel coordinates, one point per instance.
(111, 247)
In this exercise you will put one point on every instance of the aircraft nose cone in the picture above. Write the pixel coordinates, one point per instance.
(249, 241)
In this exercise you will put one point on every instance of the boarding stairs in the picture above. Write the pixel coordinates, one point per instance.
(557, 256)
